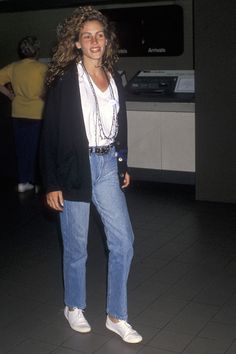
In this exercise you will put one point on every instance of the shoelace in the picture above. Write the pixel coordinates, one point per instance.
(78, 312)
(129, 329)
(79, 316)
(127, 324)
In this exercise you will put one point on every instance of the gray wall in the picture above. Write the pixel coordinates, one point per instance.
(215, 48)
(15, 25)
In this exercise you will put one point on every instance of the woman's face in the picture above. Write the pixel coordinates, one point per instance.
(92, 40)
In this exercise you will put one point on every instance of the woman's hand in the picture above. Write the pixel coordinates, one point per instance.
(11, 96)
(126, 181)
(55, 200)
(6, 92)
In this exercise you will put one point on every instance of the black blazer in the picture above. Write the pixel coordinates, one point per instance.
(64, 145)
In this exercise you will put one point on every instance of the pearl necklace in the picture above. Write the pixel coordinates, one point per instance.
(114, 125)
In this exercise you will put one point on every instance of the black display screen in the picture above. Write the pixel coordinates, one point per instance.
(148, 31)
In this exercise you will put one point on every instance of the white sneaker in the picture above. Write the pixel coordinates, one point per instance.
(123, 329)
(76, 320)
(24, 187)
(36, 189)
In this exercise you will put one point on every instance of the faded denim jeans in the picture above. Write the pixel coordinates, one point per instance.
(110, 202)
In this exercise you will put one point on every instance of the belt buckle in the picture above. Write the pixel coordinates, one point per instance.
(101, 150)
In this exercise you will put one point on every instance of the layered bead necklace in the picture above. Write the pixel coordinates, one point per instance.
(114, 124)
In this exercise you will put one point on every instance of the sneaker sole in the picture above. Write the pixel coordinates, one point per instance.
(134, 341)
(81, 330)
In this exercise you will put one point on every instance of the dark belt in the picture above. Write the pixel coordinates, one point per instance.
(100, 150)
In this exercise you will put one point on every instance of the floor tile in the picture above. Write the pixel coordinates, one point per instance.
(65, 351)
(87, 343)
(32, 346)
(207, 346)
(227, 314)
(117, 346)
(55, 334)
(232, 349)
(9, 339)
(216, 330)
(171, 341)
(192, 319)
(152, 350)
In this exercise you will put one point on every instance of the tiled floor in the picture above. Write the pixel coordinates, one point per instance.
(182, 288)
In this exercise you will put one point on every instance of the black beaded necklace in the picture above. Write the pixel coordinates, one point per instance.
(114, 125)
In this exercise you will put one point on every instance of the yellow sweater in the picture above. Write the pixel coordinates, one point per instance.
(27, 79)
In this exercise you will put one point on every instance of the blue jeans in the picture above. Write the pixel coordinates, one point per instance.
(111, 205)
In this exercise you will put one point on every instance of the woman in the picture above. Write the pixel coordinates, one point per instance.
(84, 135)
(26, 77)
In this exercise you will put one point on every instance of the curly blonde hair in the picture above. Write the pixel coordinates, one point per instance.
(68, 33)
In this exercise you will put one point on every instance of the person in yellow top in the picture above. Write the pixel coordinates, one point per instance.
(26, 77)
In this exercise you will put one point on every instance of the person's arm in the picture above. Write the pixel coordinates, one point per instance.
(6, 92)
(6, 78)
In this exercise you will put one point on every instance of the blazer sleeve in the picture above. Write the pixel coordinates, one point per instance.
(121, 139)
(49, 141)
